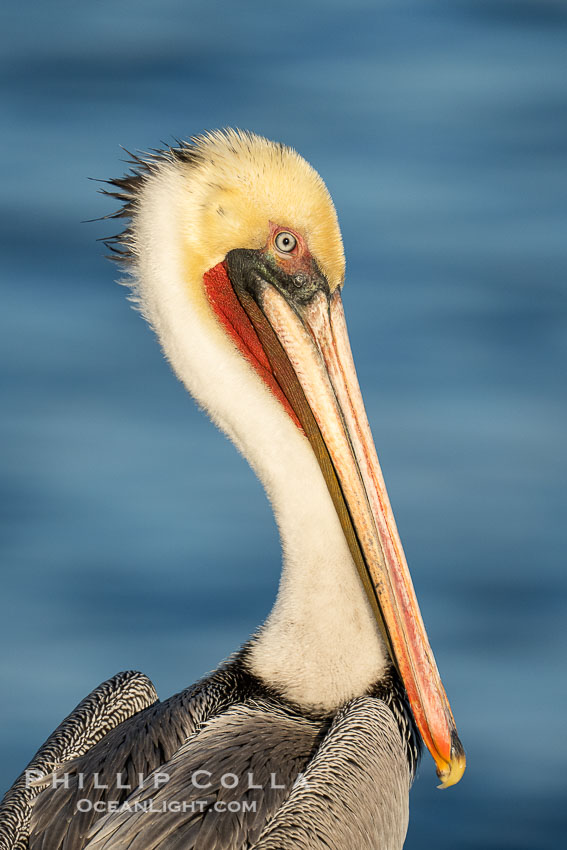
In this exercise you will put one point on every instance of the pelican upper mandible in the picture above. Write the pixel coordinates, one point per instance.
(308, 736)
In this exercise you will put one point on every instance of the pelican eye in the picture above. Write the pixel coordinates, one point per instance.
(285, 241)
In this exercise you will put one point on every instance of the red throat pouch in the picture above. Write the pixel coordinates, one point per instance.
(233, 318)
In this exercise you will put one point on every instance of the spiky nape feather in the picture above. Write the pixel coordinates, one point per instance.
(127, 189)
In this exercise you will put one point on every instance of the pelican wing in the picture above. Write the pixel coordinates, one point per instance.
(96, 753)
(110, 704)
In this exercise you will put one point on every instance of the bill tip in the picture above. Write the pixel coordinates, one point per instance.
(452, 772)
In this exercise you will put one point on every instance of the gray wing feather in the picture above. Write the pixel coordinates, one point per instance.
(132, 749)
(259, 745)
(355, 791)
(101, 711)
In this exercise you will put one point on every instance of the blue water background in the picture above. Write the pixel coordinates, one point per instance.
(133, 535)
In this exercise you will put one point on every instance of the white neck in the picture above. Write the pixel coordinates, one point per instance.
(321, 645)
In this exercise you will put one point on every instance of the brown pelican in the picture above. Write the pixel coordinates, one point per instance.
(308, 737)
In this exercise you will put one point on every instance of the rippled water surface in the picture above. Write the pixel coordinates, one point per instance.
(133, 534)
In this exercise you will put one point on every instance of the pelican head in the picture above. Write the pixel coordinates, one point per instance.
(236, 259)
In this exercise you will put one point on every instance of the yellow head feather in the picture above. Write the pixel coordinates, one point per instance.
(237, 183)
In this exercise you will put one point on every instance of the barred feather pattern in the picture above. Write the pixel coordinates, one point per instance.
(102, 710)
(391, 691)
(262, 743)
(135, 748)
(354, 792)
